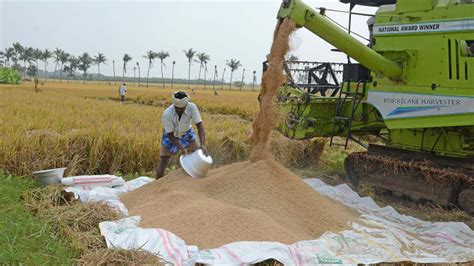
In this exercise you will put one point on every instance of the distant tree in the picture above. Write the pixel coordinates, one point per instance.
(233, 64)
(37, 54)
(151, 56)
(26, 55)
(139, 75)
(189, 55)
(172, 74)
(99, 59)
(113, 65)
(2, 59)
(126, 58)
(242, 81)
(202, 58)
(214, 82)
(56, 56)
(46, 54)
(205, 74)
(254, 79)
(222, 79)
(9, 54)
(63, 59)
(71, 67)
(162, 55)
(85, 62)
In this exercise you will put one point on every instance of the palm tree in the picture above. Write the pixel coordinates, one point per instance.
(242, 81)
(189, 55)
(254, 79)
(214, 82)
(9, 54)
(99, 59)
(172, 74)
(139, 71)
(202, 58)
(233, 64)
(205, 72)
(162, 55)
(113, 65)
(45, 56)
(56, 55)
(222, 79)
(19, 49)
(71, 68)
(26, 55)
(85, 62)
(150, 55)
(37, 54)
(63, 59)
(126, 58)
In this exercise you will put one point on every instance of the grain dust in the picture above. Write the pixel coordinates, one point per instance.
(273, 78)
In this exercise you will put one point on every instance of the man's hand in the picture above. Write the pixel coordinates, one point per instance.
(184, 151)
(204, 150)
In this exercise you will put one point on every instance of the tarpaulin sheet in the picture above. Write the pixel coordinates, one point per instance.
(380, 235)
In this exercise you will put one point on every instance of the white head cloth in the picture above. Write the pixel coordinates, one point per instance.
(180, 103)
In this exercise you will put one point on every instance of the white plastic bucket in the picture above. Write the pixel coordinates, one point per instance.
(196, 164)
(50, 176)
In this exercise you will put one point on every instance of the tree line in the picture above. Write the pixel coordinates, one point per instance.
(26, 61)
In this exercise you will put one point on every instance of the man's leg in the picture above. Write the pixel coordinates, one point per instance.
(160, 170)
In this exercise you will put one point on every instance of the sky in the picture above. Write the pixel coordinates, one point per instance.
(225, 29)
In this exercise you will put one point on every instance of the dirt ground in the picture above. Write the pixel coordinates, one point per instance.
(423, 210)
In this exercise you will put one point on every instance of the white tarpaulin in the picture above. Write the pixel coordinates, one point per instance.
(381, 235)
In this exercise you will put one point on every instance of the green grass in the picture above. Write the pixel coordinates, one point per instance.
(24, 239)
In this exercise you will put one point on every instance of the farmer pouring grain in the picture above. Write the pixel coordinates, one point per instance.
(178, 133)
(122, 92)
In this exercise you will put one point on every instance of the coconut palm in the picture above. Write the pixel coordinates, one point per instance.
(151, 56)
(202, 58)
(162, 55)
(70, 69)
(242, 81)
(18, 48)
(214, 82)
(56, 55)
(9, 54)
(37, 54)
(139, 71)
(222, 79)
(126, 58)
(113, 67)
(44, 57)
(63, 59)
(99, 59)
(26, 55)
(205, 72)
(85, 62)
(189, 55)
(172, 74)
(254, 79)
(233, 64)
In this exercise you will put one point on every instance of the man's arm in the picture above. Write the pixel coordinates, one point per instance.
(175, 141)
(202, 136)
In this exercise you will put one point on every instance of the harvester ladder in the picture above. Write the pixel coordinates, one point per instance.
(356, 98)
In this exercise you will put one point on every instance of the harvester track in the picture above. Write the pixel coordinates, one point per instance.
(419, 176)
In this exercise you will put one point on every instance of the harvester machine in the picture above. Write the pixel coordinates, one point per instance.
(412, 88)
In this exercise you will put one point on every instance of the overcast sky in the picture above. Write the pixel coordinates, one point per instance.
(223, 29)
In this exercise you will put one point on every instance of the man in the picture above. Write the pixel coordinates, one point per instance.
(122, 91)
(178, 133)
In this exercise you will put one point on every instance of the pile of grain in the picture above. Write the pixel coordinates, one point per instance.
(238, 202)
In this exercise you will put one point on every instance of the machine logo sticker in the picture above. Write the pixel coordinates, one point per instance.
(456, 25)
(403, 105)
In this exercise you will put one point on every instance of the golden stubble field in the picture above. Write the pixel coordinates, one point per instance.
(85, 128)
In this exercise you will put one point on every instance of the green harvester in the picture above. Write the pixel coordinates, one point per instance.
(412, 89)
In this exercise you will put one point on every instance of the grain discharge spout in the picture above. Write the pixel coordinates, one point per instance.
(317, 23)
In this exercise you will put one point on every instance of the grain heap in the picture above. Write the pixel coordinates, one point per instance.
(238, 202)
(258, 200)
